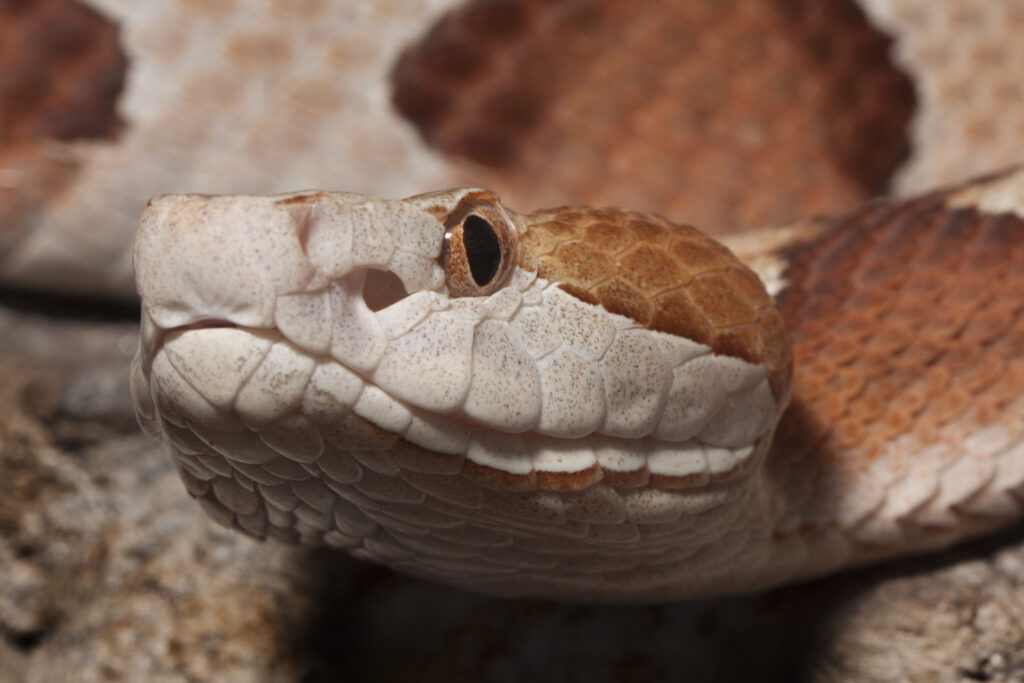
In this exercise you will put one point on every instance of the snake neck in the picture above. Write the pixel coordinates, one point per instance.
(904, 430)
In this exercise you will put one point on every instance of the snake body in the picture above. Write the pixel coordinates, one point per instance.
(588, 403)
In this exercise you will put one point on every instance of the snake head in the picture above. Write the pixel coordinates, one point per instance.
(581, 365)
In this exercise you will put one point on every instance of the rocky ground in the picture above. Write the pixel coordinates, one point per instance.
(109, 572)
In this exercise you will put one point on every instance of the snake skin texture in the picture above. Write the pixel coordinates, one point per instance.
(908, 339)
(598, 422)
(678, 107)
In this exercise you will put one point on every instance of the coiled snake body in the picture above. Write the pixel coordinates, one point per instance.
(588, 403)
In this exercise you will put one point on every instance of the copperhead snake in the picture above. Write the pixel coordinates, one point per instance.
(900, 435)
(586, 403)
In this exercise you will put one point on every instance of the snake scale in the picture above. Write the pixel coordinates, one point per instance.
(588, 403)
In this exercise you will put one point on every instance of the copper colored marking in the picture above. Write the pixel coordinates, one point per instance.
(492, 478)
(728, 114)
(583, 295)
(666, 277)
(61, 72)
(300, 199)
(437, 211)
(569, 481)
(899, 316)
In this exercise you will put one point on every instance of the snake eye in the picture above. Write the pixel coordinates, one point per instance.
(477, 250)
(483, 251)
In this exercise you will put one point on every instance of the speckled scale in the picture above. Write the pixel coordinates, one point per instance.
(910, 388)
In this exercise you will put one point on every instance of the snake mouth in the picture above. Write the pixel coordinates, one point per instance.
(341, 361)
(230, 377)
(204, 324)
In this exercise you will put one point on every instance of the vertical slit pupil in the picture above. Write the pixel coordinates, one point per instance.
(483, 250)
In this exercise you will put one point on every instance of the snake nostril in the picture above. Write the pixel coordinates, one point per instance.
(381, 289)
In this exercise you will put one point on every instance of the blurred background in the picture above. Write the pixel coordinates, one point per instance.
(724, 114)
